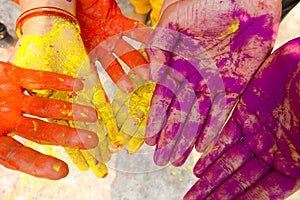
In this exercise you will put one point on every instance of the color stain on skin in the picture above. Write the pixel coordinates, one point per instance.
(233, 28)
(34, 125)
(56, 168)
(61, 50)
(131, 112)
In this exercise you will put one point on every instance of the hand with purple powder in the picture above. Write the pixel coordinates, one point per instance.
(202, 55)
(257, 155)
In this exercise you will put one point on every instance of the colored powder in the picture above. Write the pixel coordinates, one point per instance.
(56, 168)
(233, 28)
(34, 125)
(61, 50)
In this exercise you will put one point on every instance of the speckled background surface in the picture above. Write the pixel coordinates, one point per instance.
(130, 177)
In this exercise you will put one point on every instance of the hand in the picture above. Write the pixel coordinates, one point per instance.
(14, 103)
(54, 44)
(103, 28)
(202, 54)
(257, 154)
(131, 111)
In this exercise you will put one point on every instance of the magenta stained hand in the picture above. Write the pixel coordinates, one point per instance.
(258, 153)
(203, 54)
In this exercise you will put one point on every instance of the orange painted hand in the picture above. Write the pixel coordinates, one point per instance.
(53, 43)
(14, 103)
(103, 29)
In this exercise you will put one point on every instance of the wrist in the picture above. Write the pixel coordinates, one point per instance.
(41, 19)
(33, 20)
(67, 5)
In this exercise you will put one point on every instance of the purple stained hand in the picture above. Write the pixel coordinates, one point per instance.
(257, 155)
(203, 54)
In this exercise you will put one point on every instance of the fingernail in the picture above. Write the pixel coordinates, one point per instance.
(143, 72)
(78, 85)
(125, 85)
(104, 175)
(88, 139)
(84, 113)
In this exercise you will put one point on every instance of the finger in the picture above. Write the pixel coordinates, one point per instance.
(136, 31)
(35, 80)
(100, 154)
(138, 108)
(118, 103)
(96, 157)
(176, 117)
(229, 137)
(286, 159)
(285, 186)
(160, 102)
(221, 170)
(121, 111)
(159, 49)
(16, 156)
(55, 134)
(77, 158)
(216, 118)
(190, 131)
(158, 63)
(120, 107)
(183, 68)
(114, 70)
(97, 166)
(104, 109)
(56, 109)
(132, 58)
(134, 109)
(243, 179)
(138, 139)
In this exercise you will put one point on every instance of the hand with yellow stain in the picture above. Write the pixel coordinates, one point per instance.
(131, 111)
(53, 43)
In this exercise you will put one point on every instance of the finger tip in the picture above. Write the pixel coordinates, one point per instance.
(151, 141)
(60, 170)
(88, 139)
(84, 113)
(78, 85)
(125, 84)
(143, 72)
(51, 168)
(104, 175)
(130, 151)
(159, 160)
(177, 163)
(92, 115)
